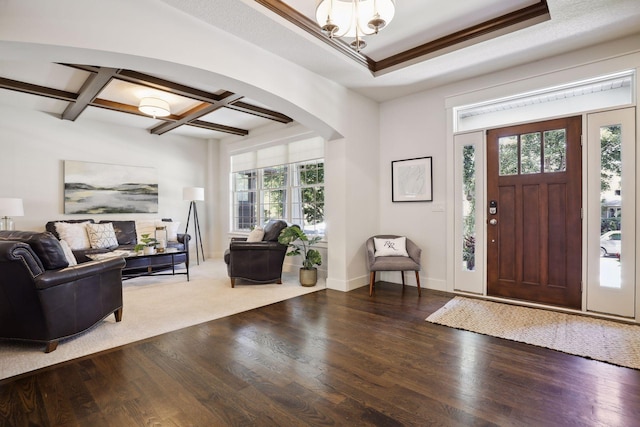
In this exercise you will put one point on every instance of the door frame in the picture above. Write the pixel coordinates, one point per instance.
(478, 136)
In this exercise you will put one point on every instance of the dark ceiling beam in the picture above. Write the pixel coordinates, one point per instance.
(220, 128)
(89, 91)
(538, 10)
(100, 77)
(167, 86)
(32, 89)
(260, 112)
(126, 108)
(196, 113)
(147, 80)
(311, 27)
(132, 109)
(87, 68)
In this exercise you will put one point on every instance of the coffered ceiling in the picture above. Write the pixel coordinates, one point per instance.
(429, 43)
(75, 88)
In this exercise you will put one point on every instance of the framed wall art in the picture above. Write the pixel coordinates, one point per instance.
(100, 188)
(411, 180)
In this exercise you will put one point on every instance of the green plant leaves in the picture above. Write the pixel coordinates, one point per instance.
(290, 235)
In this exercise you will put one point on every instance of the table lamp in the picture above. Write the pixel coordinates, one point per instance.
(9, 208)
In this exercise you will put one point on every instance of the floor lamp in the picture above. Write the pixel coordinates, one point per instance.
(193, 194)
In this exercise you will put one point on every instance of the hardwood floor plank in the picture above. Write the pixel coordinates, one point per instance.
(326, 358)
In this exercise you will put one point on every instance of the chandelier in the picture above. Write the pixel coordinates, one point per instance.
(354, 18)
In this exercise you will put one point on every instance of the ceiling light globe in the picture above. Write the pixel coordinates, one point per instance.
(154, 107)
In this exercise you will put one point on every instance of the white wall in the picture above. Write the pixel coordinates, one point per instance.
(412, 127)
(420, 125)
(34, 145)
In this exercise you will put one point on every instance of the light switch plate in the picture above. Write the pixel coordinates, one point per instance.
(438, 207)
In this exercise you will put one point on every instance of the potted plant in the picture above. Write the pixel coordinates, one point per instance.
(300, 244)
(148, 244)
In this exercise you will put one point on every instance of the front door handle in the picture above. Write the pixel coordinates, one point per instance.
(493, 221)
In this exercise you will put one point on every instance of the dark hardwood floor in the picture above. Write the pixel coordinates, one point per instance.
(327, 358)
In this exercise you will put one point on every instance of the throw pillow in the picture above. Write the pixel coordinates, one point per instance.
(390, 247)
(125, 231)
(256, 235)
(102, 235)
(75, 234)
(71, 258)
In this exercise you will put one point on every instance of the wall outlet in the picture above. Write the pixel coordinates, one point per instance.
(438, 207)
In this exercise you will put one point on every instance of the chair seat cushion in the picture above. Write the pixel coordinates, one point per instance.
(394, 264)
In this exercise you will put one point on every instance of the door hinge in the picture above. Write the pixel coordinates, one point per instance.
(581, 140)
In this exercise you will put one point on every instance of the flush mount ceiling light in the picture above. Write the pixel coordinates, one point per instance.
(154, 107)
(354, 18)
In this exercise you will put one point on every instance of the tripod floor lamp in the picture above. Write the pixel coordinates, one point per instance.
(194, 194)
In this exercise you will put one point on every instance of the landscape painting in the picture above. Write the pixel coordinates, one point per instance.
(100, 188)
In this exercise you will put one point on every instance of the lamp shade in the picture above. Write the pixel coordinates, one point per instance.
(154, 107)
(193, 193)
(11, 207)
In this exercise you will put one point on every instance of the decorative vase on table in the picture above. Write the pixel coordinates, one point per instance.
(300, 244)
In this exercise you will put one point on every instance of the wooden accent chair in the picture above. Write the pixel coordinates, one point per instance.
(393, 263)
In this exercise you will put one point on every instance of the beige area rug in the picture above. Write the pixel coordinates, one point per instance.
(603, 340)
(156, 305)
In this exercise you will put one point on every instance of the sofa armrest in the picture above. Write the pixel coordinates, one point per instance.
(52, 278)
(184, 239)
(18, 251)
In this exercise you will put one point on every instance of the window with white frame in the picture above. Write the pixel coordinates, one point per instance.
(279, 182)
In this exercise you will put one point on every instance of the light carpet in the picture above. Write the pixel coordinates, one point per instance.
(603, 340)
(155, 305)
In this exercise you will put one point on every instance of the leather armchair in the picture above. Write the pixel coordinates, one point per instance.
(258, 262)
(43, 299)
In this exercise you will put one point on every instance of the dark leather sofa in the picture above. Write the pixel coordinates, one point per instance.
(127, 240)
(257, 262)
(43, 299)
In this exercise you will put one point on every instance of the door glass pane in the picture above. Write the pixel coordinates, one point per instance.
(508, 155)
(468, 208)
(530, 153)
(610, 206)
(555, 150)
